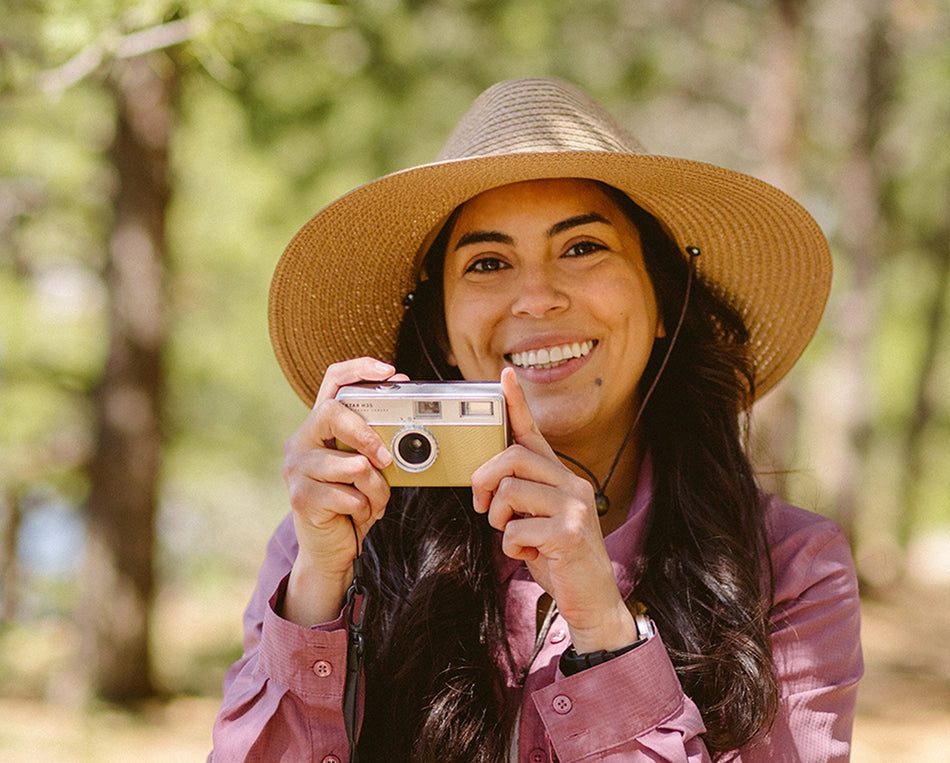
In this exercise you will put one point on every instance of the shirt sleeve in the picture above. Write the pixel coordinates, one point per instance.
(283, 700)
(816, 648)
(649, 716)
(633, 707)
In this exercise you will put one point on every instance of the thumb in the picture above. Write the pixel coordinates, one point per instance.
(524, 430)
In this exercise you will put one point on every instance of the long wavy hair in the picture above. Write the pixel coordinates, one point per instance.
(438, 662)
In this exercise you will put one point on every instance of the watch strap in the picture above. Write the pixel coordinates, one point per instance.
(572, 662)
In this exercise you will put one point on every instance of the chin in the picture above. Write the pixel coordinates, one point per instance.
(558, 425)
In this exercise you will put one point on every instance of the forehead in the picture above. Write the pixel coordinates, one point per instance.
(531, 199)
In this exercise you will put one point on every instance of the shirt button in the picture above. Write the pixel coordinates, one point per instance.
(558, 636)
(538, 756)
(330, 759)
(562, 704)
(323, 668)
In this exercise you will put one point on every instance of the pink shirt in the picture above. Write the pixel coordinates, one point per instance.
(283, 698)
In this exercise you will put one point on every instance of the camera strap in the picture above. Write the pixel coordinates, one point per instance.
(356, 650)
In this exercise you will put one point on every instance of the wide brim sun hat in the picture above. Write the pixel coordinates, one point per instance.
(338, 290)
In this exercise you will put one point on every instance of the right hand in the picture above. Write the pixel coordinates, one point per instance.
(327, 487)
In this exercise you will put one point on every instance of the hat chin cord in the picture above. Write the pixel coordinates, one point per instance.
(601, 501)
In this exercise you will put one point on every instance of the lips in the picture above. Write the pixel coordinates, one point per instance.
(550, 357)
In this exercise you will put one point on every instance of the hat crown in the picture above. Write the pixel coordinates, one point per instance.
(534, 116)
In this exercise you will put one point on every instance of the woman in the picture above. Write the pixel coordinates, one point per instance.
(613, 586)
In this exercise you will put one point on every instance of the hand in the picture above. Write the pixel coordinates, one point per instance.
(548, 518)
(328, 487)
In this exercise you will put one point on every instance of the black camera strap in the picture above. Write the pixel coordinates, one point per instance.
(356, 650)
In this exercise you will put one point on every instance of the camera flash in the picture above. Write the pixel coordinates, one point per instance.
(478, 407)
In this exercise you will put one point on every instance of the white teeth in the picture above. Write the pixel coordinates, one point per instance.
(547, 357)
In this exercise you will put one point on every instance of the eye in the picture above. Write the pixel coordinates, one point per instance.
(486, 265)
(582, 248)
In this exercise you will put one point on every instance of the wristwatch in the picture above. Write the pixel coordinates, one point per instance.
(571, 662)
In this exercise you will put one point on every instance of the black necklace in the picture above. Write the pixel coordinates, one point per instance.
(601, 502)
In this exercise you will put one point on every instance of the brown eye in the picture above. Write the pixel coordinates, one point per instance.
(486, 265)
(584, 247)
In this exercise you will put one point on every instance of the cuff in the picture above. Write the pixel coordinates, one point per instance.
(611, 704)
(310, 662)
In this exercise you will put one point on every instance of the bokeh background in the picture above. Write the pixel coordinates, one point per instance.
(155, 157)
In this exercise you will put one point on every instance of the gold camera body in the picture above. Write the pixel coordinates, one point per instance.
(438, 432)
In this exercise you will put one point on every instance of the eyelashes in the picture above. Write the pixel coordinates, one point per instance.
(493, 263)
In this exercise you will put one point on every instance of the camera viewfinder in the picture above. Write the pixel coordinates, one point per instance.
(478, 407)
(429, 409)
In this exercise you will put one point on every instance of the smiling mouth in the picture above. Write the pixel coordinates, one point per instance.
(549, 357)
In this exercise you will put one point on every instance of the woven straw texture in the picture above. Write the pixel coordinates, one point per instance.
(338, 289)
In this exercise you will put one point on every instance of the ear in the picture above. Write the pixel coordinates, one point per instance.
(450, 359)
(660, 328)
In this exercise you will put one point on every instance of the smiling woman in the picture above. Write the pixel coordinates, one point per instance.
(569, 272)
(613, 585)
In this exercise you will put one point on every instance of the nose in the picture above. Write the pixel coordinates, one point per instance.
(539, 293)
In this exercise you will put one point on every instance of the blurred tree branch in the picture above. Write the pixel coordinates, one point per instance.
(112, 46)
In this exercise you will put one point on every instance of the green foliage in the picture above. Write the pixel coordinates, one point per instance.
(286, 104)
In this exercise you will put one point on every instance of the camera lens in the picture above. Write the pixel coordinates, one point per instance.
(414, 449)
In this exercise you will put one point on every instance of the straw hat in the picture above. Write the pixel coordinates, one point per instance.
(338, 289)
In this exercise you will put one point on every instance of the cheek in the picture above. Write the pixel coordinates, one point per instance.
(462, 326)
(471, 331)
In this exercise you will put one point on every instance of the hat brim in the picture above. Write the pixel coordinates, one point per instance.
(338, 289)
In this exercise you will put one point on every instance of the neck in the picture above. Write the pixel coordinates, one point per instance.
(622, 484)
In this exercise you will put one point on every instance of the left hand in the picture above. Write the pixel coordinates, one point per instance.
(548, 518)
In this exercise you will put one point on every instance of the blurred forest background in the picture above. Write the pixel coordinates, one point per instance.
(156, 156)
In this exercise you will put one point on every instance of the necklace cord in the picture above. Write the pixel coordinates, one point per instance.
(602, 502)
(356, 610)
(600, 496)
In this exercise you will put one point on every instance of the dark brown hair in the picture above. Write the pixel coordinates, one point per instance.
(436, 686)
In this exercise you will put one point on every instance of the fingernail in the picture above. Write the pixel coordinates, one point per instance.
(384, 368)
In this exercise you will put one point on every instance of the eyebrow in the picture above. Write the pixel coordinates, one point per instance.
(488, 236)
(573, 222)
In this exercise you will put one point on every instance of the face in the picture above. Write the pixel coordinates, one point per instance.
(548, 277)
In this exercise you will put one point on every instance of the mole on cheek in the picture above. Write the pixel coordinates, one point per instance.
(598, 381)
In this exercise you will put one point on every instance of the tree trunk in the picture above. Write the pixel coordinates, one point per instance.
(778, 128)
(119, 579)
(928, 390)
(862, 242)
(9, 564)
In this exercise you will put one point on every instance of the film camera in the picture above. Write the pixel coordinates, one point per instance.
(438, 432)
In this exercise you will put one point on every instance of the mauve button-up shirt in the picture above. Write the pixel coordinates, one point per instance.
(283, 698)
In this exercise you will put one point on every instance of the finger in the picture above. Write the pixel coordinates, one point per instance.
(346, 481)
(309, 497)
(516, 461)
(524, 430)
(331, 423)
(353, 371)
(525, 498)
(517, 542)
